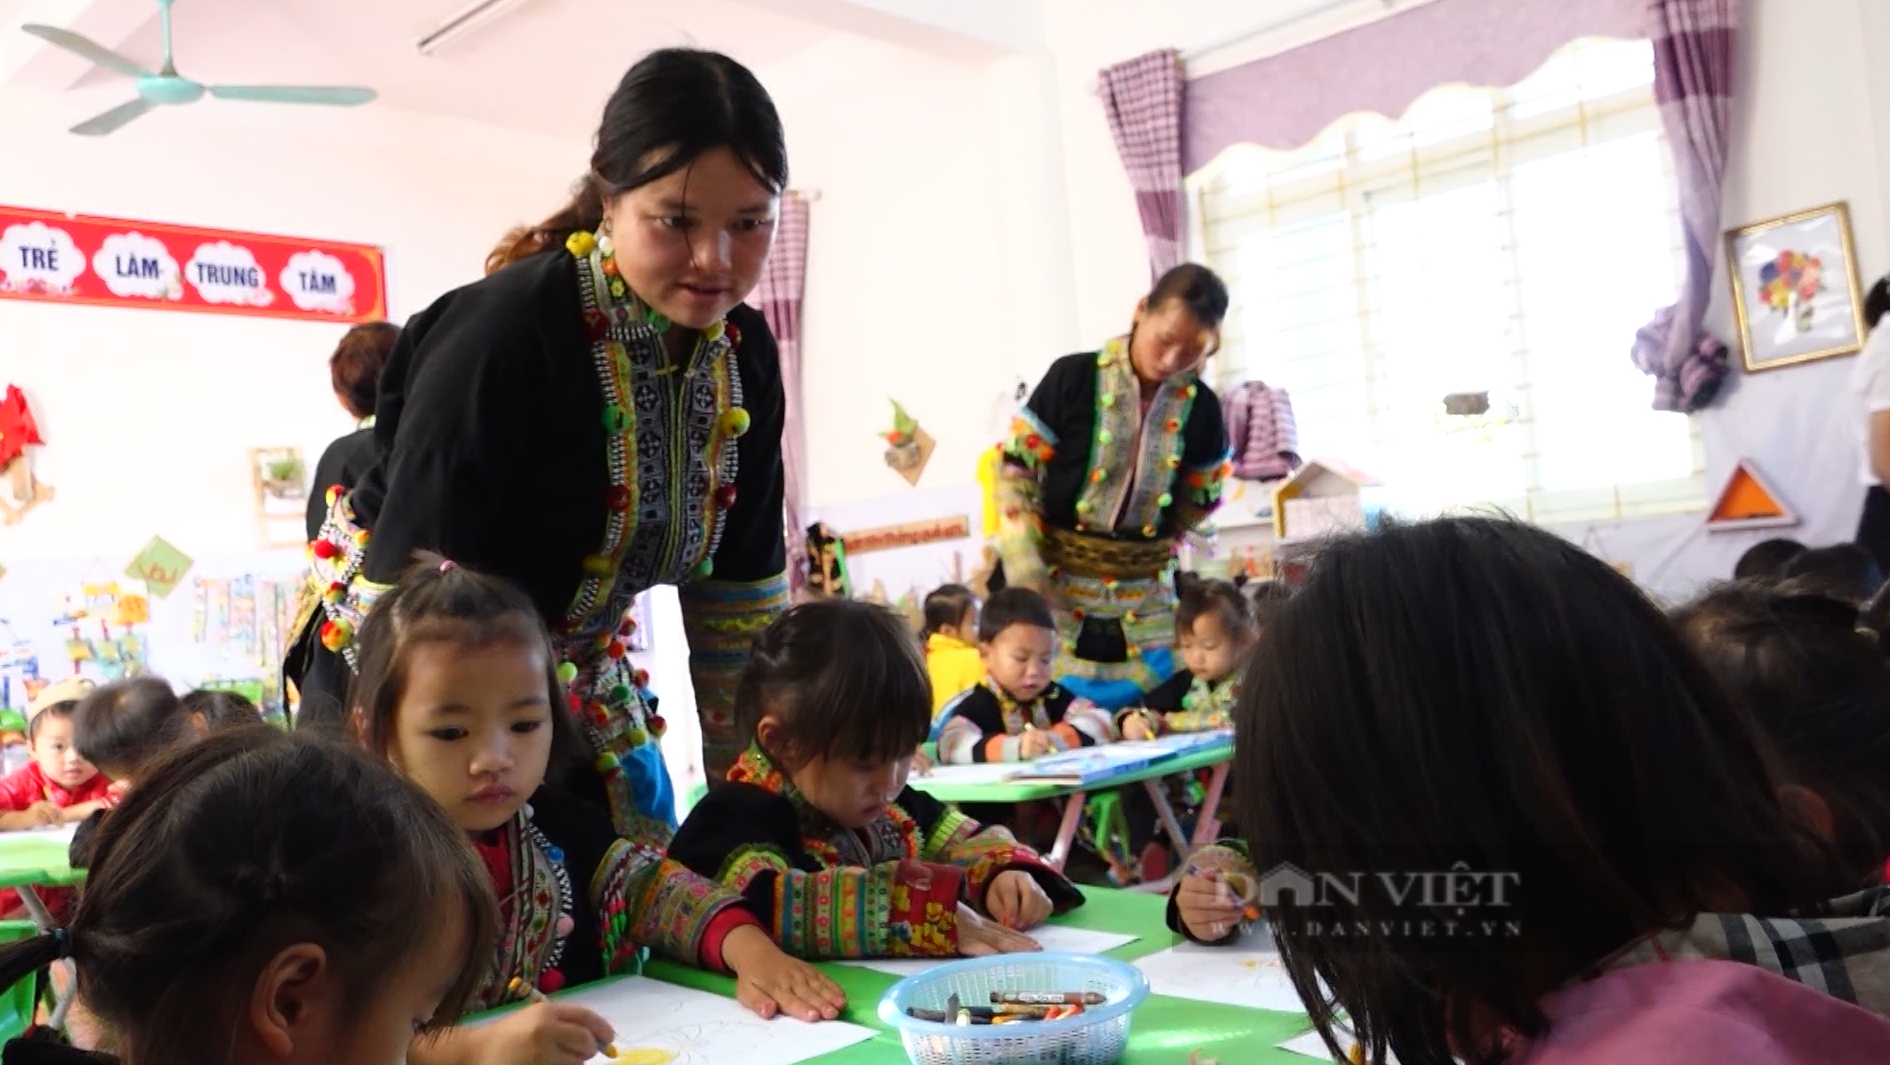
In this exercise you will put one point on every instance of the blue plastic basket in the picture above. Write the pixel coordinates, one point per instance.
(1097, 1036)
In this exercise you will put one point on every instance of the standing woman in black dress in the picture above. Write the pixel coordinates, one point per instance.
(601, 414)
(355, 371)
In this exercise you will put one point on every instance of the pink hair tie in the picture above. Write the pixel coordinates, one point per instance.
(446, 564)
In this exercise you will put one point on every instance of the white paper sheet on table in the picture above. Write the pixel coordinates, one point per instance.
(1247, 973)
(1050, 937)
(978, 773)
(662, 1024)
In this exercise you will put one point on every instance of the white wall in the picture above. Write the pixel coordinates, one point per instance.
(1813, 126)
(148, 415)
(937, 258)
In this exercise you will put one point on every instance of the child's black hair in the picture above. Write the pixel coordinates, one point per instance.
(1269, 598)
(1196, 598)
(1198, 288)
(125, 725)
(947, 605)
(220, 706)
(1818, 683)
(1481, 695)
(1014, 606)
(846, 680)
(237, 847)
(1841, 571)
(436, 601)
(1876, 303)
(1767, 559)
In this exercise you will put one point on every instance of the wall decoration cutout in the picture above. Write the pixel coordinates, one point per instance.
(1747, 501)
(911, 446)
(111, 262)
(280, 481)
(160, 566)
(1795, 292)
(19, 431)
(907, 534)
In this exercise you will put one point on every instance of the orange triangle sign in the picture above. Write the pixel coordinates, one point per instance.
(1748, 502)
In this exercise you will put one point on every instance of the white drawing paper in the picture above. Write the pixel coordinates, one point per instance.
(1056, 938)
(663, 1024)
(1314, 1047)
(956, 775)
(1247, 973)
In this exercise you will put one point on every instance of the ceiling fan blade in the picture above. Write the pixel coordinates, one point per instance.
(90, 49)
(329, 95)
(111, 120)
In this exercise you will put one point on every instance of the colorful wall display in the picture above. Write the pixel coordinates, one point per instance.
(113, 262)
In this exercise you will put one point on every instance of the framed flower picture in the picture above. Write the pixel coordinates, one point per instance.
(1795, 289)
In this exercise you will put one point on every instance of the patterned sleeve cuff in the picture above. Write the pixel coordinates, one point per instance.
(721, 620)
(984, 851)
(1018, 497)
(1197, 720)
(1201, 488)
(896, 909)
(644, 899)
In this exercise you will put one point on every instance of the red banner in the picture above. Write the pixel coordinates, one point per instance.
(111, 262)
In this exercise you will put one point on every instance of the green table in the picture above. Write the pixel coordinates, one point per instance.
(32, 860)
(1164, 1031)
(42, 859)
(1216, 757)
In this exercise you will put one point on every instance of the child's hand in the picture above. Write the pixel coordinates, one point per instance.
(921, 764)
(74, 814)
(978, 936)
(1035, 744)
(1015, 900)
(1207, 905)
(767, 980)
(544, 1033)
(1135, 726)
(43, 813)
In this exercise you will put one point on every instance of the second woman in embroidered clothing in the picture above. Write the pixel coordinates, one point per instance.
(1117, 454)
(599, 416)
(818, 828)
(457, 689)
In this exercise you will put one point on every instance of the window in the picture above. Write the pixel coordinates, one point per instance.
(1503, 243)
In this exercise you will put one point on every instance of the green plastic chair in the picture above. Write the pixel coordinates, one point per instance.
(18, 1002)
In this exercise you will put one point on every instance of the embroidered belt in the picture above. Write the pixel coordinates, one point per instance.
(1103, 558)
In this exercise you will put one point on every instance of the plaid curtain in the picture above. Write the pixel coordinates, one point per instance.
(1142, 100)
(1693, 80)
(783, 280)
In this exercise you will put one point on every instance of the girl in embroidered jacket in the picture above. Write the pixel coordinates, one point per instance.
(1215, 628)
(598, 416)
(817, 827)
(1117, 454)
(457, 689)
(1017, 712)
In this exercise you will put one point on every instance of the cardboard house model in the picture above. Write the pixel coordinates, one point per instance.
(1747, 501)
(1323, 498)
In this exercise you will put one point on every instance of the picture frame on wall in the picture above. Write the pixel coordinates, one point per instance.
(279, 479)
(1796, 296)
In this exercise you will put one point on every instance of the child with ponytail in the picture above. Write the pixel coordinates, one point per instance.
(457, 690)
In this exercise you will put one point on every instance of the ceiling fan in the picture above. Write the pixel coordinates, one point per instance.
(165, 86)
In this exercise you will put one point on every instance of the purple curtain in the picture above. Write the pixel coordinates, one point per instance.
(1142, 100)
(1693, 80)
(778, 295)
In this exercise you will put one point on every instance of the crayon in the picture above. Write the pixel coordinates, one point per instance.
(519, 985)
(1048, 998)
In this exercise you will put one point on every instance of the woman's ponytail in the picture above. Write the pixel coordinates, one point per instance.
(583, 213)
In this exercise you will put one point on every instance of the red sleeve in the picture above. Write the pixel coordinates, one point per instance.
(22, 788)
(710, 947)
